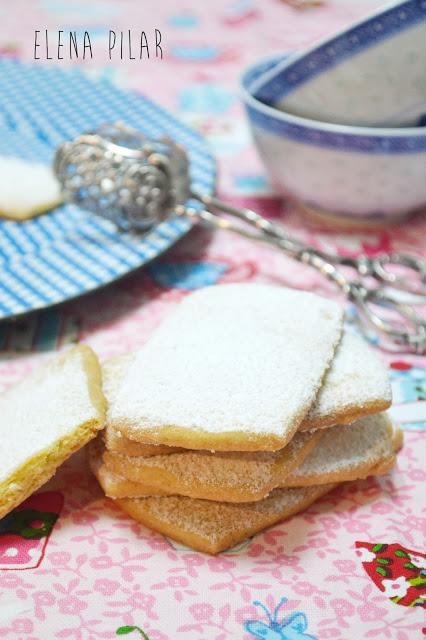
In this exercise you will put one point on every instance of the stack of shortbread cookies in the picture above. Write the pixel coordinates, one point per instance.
(247, 404)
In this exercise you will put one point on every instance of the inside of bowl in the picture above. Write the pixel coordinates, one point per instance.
(255, 71)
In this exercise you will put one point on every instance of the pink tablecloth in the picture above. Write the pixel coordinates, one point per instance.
(98, 574)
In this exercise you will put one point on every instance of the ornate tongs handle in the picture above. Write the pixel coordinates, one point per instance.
(119, 174)
(381, 268)
(403, 327)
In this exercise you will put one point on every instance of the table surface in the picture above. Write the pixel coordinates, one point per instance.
(98, 571)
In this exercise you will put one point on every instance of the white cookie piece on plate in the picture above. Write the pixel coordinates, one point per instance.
(26, 188)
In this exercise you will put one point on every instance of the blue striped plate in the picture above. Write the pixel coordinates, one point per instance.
(69, 252)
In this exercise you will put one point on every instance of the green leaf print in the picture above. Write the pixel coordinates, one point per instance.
(122, 631)
(401, 554)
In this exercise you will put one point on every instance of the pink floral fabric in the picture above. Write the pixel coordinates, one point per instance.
(101, 575)
(102, 571)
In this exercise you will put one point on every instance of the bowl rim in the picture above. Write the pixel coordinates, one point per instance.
(308, 123)
(273, 75)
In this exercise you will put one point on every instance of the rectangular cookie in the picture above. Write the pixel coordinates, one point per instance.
(234, 368)
(113, 372)
(113, 485)
(237, 476)
(44, 419)
(366, 447)
(356, 384)
(212, 527)
(340, 454)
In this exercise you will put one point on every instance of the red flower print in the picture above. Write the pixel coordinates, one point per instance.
(396, 588)
(15, 551)
(398, 572)
(365, 555)
(26, 530)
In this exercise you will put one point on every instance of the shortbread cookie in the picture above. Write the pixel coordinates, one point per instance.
(114, 441)
(113, 371)
(235, 367)
(227, 476)
(113, 485)
(349, 452)
(26, 188)
(211, 527)
(44, 419)
(357, 384)
(112, 374)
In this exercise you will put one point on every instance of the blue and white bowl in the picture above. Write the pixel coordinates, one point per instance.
(352, 175)
(370, 74)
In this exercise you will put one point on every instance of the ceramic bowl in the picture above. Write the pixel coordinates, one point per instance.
(351, 176)
(371, 74)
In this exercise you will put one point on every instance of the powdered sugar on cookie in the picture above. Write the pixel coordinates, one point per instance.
(234, 359)
(210, 526)
(356, 384)
(347, 452)
(41, 192)
(45, 418)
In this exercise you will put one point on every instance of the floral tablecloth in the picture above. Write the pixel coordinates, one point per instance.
(353, 565)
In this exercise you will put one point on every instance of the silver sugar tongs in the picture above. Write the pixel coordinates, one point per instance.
(119, 174)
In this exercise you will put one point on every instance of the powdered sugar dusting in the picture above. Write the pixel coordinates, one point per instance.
(241, 357)
(44, 407)
(343, 448)
(41, 190)
(215, 520)
(243, 471)
(356, 378)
